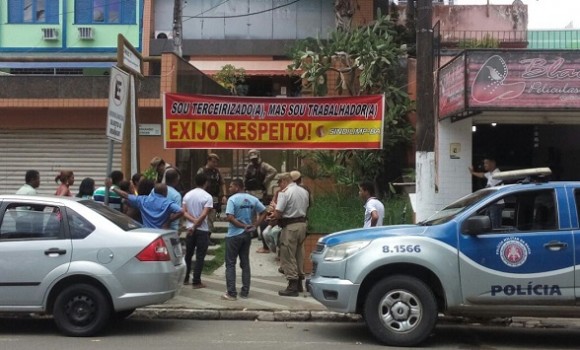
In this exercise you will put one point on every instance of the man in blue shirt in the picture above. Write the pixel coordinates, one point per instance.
(172, 181)
(241, 210)
(157, 211)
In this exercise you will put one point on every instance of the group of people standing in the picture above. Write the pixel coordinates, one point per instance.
(156, 202)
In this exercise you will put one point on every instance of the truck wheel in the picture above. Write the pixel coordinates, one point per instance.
(81, 310)
(400, 311)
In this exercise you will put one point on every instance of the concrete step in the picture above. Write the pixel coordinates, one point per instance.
(218, 236)
(221, 224)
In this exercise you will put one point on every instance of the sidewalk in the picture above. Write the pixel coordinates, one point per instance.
(263, 303)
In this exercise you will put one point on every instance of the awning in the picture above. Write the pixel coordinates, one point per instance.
(251, 67)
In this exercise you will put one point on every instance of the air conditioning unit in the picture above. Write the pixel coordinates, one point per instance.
(163, 34)
(49, 34)
(86, 33)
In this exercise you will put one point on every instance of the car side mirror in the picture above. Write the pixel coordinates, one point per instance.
(476, 225)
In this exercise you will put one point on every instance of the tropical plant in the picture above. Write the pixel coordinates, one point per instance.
(230, 77)
(367, 60)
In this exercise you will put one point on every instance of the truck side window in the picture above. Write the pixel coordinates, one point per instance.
(536, 210)
(524, 211)
(501, 214)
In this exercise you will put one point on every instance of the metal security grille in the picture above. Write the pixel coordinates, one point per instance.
(49, 152)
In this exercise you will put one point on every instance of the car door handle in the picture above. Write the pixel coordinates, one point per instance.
(55, 251)
(555, 245)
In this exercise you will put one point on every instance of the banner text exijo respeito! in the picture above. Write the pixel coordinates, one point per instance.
(226, 122)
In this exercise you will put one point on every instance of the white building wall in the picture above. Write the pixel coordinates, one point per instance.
(454, 178)
(442, 176)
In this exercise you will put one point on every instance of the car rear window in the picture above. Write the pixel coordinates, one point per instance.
(116, 217)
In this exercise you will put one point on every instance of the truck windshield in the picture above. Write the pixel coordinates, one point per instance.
(450, 211)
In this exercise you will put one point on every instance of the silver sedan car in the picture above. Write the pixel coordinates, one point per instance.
(82, 262)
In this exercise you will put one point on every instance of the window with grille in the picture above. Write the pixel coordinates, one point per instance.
(105, 12)
(33, 11)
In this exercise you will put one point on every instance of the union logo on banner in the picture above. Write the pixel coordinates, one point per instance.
(513, 251)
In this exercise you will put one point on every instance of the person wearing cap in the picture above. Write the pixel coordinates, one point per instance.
(216, 187)
(291, 208)
(258, 175)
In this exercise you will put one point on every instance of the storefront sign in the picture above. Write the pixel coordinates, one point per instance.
(452, 88)
(224, 122)
(524, 80)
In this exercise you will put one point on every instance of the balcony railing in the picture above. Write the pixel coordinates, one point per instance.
(468, 39)
(72, 87)
(531, 39)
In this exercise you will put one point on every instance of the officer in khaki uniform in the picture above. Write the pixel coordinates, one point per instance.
(291, 210)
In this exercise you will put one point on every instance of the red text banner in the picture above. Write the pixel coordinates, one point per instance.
(225, 122)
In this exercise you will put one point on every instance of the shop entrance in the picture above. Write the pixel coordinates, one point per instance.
(517, 146)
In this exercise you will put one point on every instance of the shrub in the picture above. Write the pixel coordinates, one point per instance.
(342, 211)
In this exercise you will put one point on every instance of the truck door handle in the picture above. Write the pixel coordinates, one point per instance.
(555, 245)
(54, 251)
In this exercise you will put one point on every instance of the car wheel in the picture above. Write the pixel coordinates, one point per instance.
(400, 311)
(81, 310)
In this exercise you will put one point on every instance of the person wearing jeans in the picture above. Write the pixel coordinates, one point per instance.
(241, 211)
(197, 204)
(196, 241)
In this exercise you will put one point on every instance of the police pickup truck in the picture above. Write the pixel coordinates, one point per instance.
(499, 252)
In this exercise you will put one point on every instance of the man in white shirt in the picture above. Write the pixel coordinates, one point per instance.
(197, 205)
(32, 179)
(490, 170)
(495, 210)
(374, 208)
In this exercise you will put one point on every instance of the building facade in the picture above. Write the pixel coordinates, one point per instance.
(55, 62)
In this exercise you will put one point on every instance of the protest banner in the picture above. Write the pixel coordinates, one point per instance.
(228, 122)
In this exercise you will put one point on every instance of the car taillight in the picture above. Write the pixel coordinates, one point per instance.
(156, 251)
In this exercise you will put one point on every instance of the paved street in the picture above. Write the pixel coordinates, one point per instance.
(140, 334)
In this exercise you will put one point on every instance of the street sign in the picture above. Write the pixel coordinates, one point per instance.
(118, 97)
(128, 58)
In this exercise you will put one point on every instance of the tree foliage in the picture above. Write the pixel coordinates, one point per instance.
(230, 77)
(368, 61)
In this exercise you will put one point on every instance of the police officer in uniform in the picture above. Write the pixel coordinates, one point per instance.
(290, 211)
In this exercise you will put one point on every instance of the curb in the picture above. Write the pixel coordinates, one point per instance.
(246, 315)
(330, 316)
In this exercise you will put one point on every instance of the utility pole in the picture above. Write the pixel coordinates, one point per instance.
(425, 160)
(177, 27)
(425, 112)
